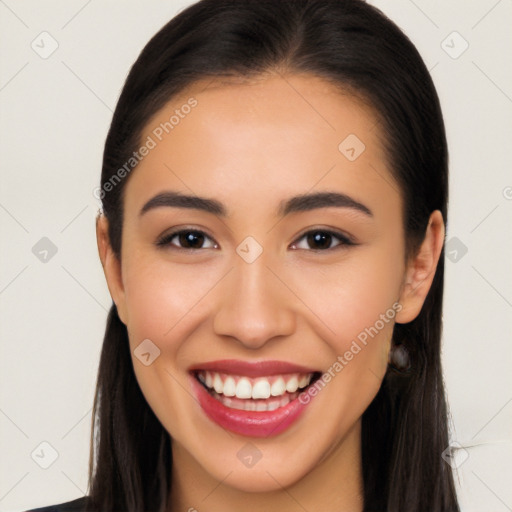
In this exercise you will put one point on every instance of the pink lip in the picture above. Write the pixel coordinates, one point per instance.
(252, 369)
(247, 423)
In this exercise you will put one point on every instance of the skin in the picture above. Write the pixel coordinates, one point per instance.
(252, 145)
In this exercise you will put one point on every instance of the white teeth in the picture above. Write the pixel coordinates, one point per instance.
(217, 383)
(261, 406)
(278, 388)
(229, 387)
(284, 401)
(251, 406)
(273, 406)
(292, 385)
(258, 389)
(304, 381)
(261, 389)
(243, 388)
(256, 405)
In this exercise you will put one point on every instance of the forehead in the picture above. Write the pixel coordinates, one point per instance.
(262, 137)
(299, 102)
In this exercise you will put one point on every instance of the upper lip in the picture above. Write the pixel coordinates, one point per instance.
(252, 368)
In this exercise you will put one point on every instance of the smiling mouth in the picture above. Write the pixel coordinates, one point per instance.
(258, 394)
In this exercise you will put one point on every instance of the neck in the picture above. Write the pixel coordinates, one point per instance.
(334, 484)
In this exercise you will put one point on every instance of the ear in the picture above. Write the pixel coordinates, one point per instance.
(421, 269)
(111, 266)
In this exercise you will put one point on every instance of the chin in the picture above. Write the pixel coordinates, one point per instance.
(261, 478)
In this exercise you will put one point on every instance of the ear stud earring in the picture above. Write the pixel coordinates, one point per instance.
(399, 358)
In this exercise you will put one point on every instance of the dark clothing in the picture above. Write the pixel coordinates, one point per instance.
(77, 505)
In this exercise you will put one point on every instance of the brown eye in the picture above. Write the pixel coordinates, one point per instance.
(321, 240)
(187, 239)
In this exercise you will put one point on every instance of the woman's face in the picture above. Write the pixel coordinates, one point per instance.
(257, 275)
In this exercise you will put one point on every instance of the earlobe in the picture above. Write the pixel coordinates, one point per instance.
(111, 266)
(421, 270)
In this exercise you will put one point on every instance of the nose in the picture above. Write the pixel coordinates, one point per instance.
(255, 305)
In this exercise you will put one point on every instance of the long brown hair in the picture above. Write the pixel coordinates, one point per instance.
(353, 45)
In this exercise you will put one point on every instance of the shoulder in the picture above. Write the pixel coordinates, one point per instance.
(77, 505)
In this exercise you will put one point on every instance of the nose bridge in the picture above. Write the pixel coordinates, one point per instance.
(254, 307)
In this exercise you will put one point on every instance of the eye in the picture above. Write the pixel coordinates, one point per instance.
(187, 239)
(322, 240)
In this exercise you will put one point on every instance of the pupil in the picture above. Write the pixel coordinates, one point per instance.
(321, 239)
(192, 239)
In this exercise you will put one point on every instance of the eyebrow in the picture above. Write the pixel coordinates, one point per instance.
(179, 200)
(300, 203)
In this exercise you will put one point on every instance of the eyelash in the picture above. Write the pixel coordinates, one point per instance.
(165, 240)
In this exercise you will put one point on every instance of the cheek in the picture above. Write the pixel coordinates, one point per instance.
(357, 300)
(352, 296)
(165, 304)
(161, 297)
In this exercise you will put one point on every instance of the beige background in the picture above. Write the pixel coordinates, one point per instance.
(54, 116)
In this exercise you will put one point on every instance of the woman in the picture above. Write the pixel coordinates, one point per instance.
(274, 193)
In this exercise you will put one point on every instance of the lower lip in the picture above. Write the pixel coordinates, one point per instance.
(248, 423)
